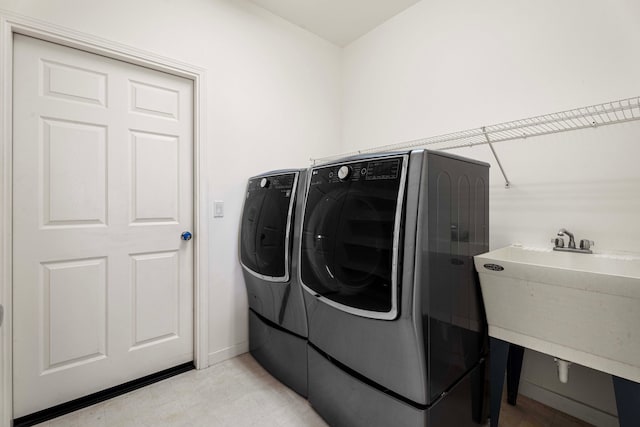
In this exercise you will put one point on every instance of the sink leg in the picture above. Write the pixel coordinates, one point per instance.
(499, 351)
(627, 401)
(514, 367)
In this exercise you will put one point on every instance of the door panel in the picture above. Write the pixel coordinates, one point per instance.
(103, 188)
(154, 100)
(74, 313)
(67, 81)
(155, 165)
(74, 191)
(156, 298)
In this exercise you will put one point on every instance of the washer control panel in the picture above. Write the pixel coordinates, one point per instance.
(282, 182)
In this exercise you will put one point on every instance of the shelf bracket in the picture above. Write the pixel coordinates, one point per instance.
(507, 184)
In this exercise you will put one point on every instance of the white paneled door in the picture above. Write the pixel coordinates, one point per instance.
(102, 190)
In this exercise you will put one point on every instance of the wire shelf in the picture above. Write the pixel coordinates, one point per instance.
(608, 113)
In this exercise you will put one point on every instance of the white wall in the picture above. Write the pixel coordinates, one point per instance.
(273, 97)
(277, 95)
(449, 65)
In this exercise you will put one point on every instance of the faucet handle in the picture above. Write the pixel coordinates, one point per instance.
(558, 242)
(586, 244)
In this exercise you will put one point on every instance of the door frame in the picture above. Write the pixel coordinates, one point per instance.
(11, 24)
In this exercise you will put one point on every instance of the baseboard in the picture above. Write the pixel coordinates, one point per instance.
(228, 353)
(561, 403)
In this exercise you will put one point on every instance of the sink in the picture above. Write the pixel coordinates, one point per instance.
(583, 308)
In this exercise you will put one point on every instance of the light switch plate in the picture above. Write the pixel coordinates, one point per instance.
(218, 209)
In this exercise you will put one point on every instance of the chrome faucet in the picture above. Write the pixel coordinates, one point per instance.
(572, 242)
(558, 243)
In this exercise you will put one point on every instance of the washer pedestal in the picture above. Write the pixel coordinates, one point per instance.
(346, 401)
(281, 353)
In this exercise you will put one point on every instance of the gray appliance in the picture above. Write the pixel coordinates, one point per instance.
(277, 319)
(397, 331)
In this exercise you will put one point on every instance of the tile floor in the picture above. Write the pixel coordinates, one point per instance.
(237, 392)
(240, 393)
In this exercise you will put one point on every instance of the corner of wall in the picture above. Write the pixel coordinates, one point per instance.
(228, 353)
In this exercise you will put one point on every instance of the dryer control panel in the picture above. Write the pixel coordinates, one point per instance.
(378, 169)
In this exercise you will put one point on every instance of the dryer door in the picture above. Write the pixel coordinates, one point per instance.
(265, 229)
(350, 235)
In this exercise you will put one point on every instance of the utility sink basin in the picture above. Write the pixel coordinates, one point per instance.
(583, 308)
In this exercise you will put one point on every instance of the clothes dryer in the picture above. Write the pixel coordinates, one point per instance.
(397, 332)
(277, 319)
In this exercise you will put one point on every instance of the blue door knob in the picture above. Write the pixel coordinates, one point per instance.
(186, 236)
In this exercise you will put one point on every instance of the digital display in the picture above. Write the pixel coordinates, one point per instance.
(383, 169)
(283, 182)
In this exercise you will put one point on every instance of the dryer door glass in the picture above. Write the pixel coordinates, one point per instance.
(266, 223)
(350, 222)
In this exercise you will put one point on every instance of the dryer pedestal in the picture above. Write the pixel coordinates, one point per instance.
(344, 400)
(281, 353)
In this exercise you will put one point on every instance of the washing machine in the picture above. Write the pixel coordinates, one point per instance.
(277, 319)
(397, 331)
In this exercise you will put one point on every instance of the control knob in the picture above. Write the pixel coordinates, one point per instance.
(344, 172)
(264, 183)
